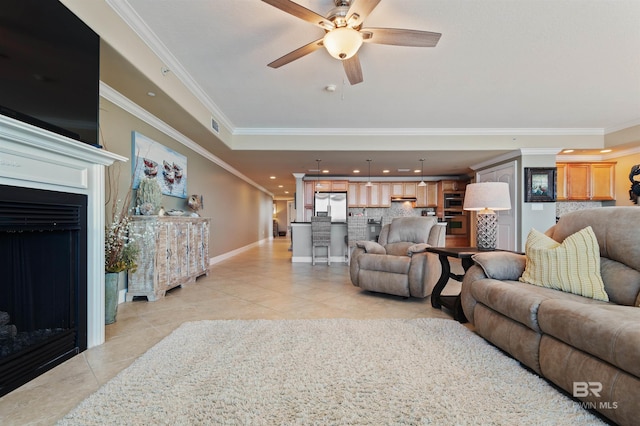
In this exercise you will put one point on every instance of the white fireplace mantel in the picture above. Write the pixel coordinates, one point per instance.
(35, 158)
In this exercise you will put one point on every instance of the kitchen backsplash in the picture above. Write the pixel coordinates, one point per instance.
(396, 210)
(563, 207)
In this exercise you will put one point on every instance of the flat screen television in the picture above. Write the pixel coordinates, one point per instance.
(49, 68)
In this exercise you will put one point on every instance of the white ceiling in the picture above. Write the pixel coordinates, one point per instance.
(501, 67)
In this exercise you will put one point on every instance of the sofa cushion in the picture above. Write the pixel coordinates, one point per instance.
(385, 263)
(414, 229)
(572, 266)
(398, 249)
(501, 265)
(621, 282)
(371, 247)
(519, 301)
(607, 331)
(618, 235)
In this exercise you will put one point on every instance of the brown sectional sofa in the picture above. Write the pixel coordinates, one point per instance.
(589, 348)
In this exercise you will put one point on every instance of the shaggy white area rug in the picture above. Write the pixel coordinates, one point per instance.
(333, 371)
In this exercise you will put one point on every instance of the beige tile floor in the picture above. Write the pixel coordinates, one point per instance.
(260, 283)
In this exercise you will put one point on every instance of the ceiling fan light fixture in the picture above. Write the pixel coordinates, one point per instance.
(343, 42)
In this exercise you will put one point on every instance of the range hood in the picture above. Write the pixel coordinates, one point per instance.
(403, 199)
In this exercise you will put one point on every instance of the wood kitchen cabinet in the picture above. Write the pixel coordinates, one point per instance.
(379, 195)
(376, 195)
(385, 195)
(309, 189)
(173, 251)
(427, 196)
(586, 181)
(452, 185)
(403, 190)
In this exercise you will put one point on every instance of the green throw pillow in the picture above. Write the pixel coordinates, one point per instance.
(573, 266)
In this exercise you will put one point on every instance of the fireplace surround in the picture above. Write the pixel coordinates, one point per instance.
(43, 302)
(33, 158)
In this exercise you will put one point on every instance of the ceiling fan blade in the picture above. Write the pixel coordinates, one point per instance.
(353, 69)
(297, 54)
(302, 12)
(359, 11)
(400, 37)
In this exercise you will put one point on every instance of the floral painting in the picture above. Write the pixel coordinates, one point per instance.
(154, 160)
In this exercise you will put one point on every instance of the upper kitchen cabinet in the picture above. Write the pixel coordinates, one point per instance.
(311, 186)
(379, 194)
(586, 181)
(403, 190)
(427, 196)
(376, 195)
(452, 185)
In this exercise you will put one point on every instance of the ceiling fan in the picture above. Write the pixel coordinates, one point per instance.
(344, 33)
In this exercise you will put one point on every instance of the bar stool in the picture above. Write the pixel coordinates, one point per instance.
(320, 237)
(356, 231)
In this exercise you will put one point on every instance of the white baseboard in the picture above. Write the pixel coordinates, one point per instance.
(230, 254)
(307, 259)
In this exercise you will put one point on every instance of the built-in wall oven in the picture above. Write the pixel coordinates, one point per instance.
(456, 223)
(453, 200)
(456, 218)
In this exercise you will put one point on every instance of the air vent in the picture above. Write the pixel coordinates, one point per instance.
(404, 170)
(26, 216)
(214, 125)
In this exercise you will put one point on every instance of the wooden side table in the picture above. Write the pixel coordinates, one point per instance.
(453, 303)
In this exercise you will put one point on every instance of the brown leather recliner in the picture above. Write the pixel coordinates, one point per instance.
(398, 263)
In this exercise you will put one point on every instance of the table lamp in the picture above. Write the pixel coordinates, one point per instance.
(485, 198)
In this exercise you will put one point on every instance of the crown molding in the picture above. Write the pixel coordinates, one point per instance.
(135, 22)
(115, 97)
(599, 157)
(622, 126)
(514, 154)
(245, 131)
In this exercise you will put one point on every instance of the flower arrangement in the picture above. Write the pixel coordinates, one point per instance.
(120, 246)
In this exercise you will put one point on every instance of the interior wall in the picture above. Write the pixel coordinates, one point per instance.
(240, 213)
(540, 216)
(623, 184)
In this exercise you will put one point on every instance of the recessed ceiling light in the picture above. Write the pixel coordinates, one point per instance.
(567, 151)
(280, 186)
(604, 151)
(325, 171)
(417, 171)
(286, 192)
(272, 177)
(152, 94)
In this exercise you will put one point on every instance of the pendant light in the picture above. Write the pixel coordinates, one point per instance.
(422, 183)
(369, 181)
(318, 176)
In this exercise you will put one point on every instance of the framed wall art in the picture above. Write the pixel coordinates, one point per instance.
(540, 185)
(154, 160)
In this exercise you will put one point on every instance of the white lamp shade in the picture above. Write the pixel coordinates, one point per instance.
(487, 195)
(343, 42)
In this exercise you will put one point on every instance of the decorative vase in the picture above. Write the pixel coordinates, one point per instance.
(111, 280)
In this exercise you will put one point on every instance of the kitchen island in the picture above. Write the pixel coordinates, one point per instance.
(301, 242)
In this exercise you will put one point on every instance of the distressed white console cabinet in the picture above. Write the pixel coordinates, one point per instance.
(173, 251)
